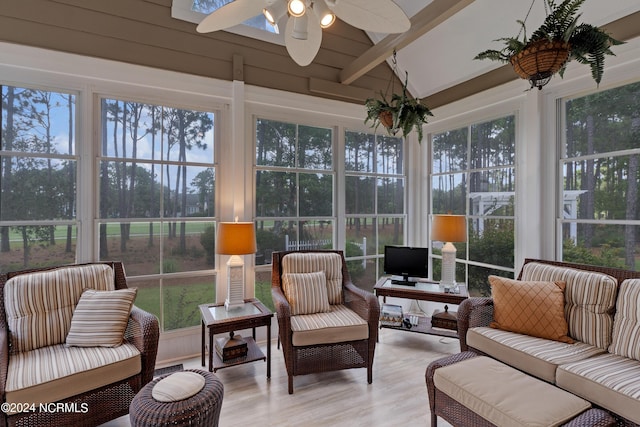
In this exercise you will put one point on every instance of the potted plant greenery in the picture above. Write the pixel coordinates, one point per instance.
(557, 41)
(402, 112)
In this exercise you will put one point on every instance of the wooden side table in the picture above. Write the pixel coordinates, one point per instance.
(218, 320)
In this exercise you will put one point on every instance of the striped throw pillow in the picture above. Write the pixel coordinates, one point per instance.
(309, 262)
(100, 318)
(306, 292)
(626, 323)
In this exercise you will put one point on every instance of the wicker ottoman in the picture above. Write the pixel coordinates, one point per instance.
(201, 409)
(505, 395)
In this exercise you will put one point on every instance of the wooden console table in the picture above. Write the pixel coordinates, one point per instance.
(423, 291)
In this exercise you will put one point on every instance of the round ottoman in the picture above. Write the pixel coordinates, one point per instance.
(178, 399)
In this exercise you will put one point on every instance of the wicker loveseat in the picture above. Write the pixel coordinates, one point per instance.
(51, 371)
(602, 310)
(342, 333)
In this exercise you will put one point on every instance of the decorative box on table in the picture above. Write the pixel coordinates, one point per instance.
(232, 347)
(391, 315)
(445, 319)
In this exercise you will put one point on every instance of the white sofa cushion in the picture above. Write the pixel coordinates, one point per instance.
(505, 396)
(590, 299)
(626, 324)
(608, 380)
(339, 325)
(309, 262)
(50, 374)
(536, 356)
(39, 306)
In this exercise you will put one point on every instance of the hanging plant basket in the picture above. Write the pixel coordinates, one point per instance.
(386, 118)
(541, 59)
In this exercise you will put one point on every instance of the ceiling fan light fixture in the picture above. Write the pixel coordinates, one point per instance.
(296, 8)
(300, 31)
(274, 12)
(325, 16)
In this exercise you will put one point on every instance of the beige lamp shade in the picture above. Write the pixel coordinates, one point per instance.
(449, 228)
(236, 238)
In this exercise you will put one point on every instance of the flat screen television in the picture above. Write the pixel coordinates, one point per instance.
(406, 262)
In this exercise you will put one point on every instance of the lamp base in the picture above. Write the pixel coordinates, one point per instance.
(235, 283)
(448, 276)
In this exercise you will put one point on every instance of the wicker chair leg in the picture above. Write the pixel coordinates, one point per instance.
(434, 420)
(369, 374)
(290, 384)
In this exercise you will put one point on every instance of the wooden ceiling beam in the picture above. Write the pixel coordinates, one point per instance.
(422, 22)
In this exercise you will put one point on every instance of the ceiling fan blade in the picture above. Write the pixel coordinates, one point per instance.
(379, 16)
(230, 14)
(302, 51)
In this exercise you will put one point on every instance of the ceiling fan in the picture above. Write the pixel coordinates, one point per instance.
(307, 18)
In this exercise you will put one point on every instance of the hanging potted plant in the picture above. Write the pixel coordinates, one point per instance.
(401, 113)
(557, 41)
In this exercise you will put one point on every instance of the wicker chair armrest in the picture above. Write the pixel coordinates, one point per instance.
(283, 313)
(143, 331)
(439, 363)
(364, 303)
(473, 312)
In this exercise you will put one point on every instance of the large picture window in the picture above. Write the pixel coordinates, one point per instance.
(294, 184)
(157, 181)
(375, 216)
(38, 178)
(473, 174)
(600, 162)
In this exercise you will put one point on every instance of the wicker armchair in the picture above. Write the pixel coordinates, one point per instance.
(94, 407)
(313, 357)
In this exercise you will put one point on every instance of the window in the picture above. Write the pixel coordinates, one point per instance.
(38, 178)
(374, 202)
(600, 155)
(294, 182)
(156, 211)
(473, 174)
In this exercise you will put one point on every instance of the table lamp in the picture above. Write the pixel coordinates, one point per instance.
(235, 238)
(447, 229)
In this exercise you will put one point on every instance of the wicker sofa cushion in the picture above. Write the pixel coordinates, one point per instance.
(626, 324)
(309, 262)
(536, 356)
(533, 308)
(505, 396)
(101, 317)
(339, 325)
(53, 373)
(39, 306)
(306, 292)
(590, 299)
(608, 380)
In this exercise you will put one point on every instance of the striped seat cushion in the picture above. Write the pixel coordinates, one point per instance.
(590, 299)
(39, 306)
(536, 356)
(306, 292)
(309, 262)
(341, 324)
(607, 380)
(56, 372)
(626, 325)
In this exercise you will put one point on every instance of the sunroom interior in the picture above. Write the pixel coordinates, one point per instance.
(132, 135)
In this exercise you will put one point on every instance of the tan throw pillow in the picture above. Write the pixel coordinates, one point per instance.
(533, 308)
(100, 318)
(306, 292)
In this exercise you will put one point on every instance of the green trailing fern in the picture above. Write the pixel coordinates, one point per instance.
(587, 44)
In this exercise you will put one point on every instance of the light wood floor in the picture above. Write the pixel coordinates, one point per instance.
(397, 396)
